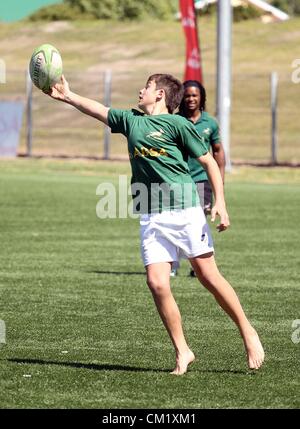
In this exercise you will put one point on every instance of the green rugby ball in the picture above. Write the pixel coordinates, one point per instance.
(45, 67)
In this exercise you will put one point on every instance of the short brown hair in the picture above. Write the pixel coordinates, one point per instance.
(173, 89)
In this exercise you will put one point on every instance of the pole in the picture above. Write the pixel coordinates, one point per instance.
(29, 113)
(107, 102)
(274, 92)
(224, 75)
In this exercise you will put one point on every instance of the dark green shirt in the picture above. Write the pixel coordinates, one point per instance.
(159, 147)
(208, 128)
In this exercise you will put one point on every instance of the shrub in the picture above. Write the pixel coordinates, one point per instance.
(55, 13)
(291, 7)
(108, 9)
(242, 13)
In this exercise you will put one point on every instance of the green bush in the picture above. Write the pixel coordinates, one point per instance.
(210, 9)
(243, 13)
(104, 9)
(125, 9)
(240, 13)
(281, 4)
(291, 7)
(56, 13)
(108, 9)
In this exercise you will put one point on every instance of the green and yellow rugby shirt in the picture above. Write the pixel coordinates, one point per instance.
(159, 147)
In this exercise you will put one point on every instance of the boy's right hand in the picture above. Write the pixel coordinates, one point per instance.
(60, 91)
(224, 218)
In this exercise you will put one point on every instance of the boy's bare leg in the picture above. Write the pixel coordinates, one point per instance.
(158, 280)
(207, 272)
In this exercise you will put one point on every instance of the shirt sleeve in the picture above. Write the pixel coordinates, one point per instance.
(215, 137)
(118, 121)
(192, 140)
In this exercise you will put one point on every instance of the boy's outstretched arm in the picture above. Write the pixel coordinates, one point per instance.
(61, 91)
(216, 182)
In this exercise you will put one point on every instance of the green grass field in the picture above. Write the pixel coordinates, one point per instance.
(81, 327)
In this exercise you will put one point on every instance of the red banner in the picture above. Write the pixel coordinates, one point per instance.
(193, 68)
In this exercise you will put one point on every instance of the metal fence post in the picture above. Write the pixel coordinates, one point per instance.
(224, 75)
(107, 102)
(29, 113)
(274, 94)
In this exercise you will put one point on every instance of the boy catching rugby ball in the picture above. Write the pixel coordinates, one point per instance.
(159, 144)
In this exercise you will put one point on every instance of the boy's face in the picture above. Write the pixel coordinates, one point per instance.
(148, 95)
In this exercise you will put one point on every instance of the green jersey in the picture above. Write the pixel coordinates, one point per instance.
(159, 147)
(208, 128)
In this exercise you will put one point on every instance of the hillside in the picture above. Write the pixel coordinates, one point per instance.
(133, 51)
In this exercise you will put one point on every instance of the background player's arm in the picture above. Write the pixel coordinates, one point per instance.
(61, 91)
(214, 175)
(219, 155)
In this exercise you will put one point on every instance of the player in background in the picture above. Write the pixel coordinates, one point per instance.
(159, 144)
(192, 107)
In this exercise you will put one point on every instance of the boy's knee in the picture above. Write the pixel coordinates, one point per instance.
(211, 281)
(157, 287)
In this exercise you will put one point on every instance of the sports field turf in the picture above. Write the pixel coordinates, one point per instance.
(81, 327)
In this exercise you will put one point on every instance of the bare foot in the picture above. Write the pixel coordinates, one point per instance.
(182, 362)
(254, 350)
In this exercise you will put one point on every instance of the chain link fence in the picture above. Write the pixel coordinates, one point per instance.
(58, 130)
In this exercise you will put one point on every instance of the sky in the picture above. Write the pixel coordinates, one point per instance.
(12, 10)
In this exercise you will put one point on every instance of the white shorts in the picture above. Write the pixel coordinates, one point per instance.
(175, 234)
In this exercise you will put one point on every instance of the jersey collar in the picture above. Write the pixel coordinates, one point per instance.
(203, 118)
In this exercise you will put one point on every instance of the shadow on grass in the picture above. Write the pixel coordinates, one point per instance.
(96, 367)
(128, 273)
(108, 367)
(228, 371)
